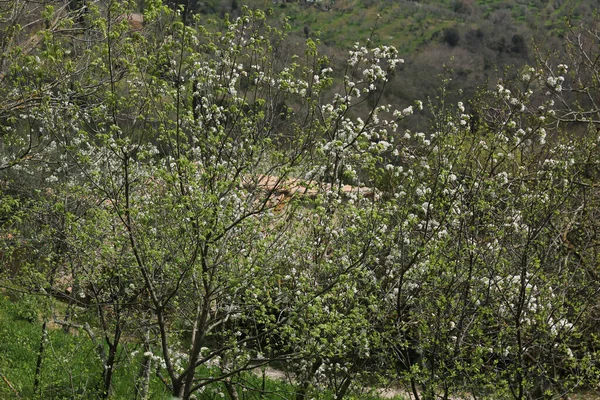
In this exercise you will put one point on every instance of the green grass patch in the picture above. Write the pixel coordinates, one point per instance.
(72, 369)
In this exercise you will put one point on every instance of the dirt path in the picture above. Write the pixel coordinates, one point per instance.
(385, 393)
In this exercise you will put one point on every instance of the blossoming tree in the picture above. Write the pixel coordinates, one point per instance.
(199, 194)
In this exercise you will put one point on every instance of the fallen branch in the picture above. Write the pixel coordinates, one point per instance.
(10, 385)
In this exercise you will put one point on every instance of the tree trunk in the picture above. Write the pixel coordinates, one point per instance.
(302, 392)
(197, 339)
(40, 359)
(110, 361)
(143, 382)
(341, 392)
(231, 389)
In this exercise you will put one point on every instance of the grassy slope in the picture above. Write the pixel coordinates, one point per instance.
(410, 24)
(71, 367)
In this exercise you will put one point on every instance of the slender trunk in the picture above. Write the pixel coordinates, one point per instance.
(110, 361)
(72, 297)
(144, 380)
(178, 389)
(197, 339)
(413, 386)
(66, 327)
(176, 382)
(108, 372)
(143, 383)
(341, 392)
(303, 391)
(231, 389)
(40, 358)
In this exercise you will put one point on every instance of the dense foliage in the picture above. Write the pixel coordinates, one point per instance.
(198, 201)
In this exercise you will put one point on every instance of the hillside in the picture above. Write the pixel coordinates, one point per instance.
(476, 40)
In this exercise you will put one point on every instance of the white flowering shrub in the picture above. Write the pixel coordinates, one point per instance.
(488, 290)
(190, 173)
(190, 189)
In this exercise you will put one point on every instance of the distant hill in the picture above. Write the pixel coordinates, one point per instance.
(476, 39)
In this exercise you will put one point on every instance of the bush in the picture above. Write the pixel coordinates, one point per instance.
(451, 37)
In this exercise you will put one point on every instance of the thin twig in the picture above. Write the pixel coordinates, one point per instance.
(10, 385)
